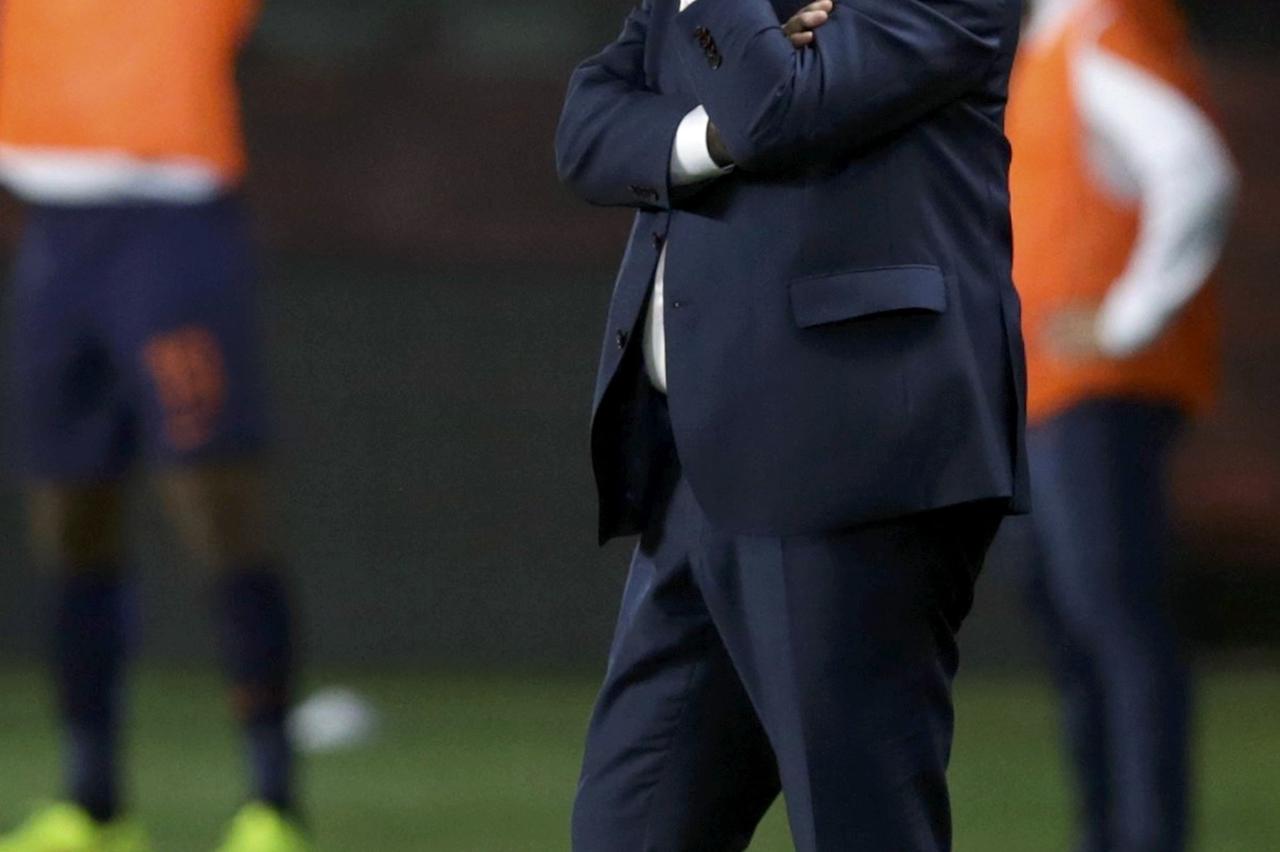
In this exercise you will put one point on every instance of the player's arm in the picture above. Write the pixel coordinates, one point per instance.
(874, 67)
(1186, 186)
(616, 140)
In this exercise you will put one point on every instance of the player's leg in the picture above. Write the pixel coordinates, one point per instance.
(75, 536)
(846, 644)
(1071, 658)
(74, 442)
(1110, 584)
(676, 759)
(188, 327)
(219, 511)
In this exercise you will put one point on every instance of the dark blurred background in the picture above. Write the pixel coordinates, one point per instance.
(432, 301)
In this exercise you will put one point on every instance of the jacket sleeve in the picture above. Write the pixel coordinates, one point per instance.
(613, 145)
(876, 66)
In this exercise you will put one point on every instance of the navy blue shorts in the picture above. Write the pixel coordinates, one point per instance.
(133, 336)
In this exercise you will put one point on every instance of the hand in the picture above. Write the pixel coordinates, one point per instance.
(800, 29)
(1071, 334)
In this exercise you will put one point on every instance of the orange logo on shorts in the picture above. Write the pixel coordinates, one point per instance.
(191, 379)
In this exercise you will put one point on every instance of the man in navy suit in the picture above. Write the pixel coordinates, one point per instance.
(810, 406)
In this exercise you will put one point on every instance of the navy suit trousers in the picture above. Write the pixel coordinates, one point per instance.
(818, 665)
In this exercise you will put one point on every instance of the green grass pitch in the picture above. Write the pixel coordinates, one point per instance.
(487, 764)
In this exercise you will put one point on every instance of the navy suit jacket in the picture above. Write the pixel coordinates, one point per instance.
(843, 336)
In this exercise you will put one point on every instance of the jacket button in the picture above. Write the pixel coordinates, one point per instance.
(621, 337)
(677, 304)
(657, 240)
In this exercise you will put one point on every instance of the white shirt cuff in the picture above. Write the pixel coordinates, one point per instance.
(691, 160)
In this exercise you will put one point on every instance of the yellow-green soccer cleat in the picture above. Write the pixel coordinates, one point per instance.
(65, 827)
(261, 828)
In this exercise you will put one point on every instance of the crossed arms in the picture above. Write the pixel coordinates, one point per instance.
(877, 66)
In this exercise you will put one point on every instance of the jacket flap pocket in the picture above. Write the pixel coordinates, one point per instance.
(860, 293)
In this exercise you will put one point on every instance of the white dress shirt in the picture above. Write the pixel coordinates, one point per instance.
(1147, 141)
(691, 163)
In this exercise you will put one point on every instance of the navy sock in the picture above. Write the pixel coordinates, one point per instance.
(89, 653)
(257, 649)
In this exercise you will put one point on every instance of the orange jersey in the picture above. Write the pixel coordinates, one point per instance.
(1073, 236)
(151, 79)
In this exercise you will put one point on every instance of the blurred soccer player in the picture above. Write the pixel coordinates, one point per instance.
(132, 340)
(1121, 193)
